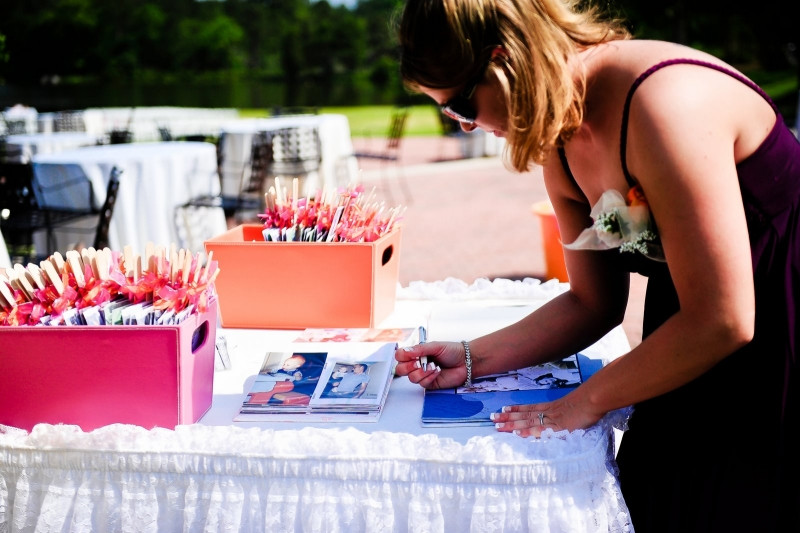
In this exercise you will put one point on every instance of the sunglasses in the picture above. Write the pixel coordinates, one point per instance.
(459, 107)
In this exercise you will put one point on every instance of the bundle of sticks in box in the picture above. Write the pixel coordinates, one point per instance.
(104, 287)
(343, 215)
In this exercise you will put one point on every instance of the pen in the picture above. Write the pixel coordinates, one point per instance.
(423, 338)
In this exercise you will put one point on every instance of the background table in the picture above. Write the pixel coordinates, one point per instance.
(25, 146)
(157, 179)
(393, 475)
(339, 166)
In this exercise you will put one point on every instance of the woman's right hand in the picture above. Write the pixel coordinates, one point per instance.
(445, 369)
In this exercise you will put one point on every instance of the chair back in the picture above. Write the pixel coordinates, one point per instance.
(397, 128)
(101, 234)
(261, 155)
(165, 134)
(14, 126)
(16, 178)
(69, 121)
(296, 151)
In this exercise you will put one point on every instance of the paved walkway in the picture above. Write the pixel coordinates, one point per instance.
(467, 218)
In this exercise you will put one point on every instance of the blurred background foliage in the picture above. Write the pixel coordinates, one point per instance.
(69, 54)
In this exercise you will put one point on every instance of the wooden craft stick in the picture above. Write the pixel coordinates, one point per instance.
(23, 282)
(24, 272)
(137, 269)
(6, 293)
(204, 276)
(173, 265)
(187, 267)
(76, 265)
(100, 266)
(152, 264)
(197, 268)
(127, 258)
(109, 256)
(213, 276)
(58, 261)
(36, 275)
(88, 256)
(149, 251)
(53, 276)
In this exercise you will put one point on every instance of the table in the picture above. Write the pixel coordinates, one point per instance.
(393, 475)
(157, 178)
(144, 122)
(339, 166)
(25, 146)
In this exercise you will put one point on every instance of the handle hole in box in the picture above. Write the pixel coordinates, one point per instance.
(199, 336)
(387, 254)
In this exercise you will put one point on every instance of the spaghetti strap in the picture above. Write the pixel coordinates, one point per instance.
(646, 74)
(562, 155)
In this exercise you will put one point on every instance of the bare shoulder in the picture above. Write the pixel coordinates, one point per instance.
(693, 97)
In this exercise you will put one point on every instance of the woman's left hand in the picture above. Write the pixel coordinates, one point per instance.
(532, 419)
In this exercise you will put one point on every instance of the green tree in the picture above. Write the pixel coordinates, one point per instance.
(208, 45)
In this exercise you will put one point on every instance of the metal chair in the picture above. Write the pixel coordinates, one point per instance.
(391, 151)
(248, 201)
(69, 121)
(297, 153)
(23, 223)
(16, 177)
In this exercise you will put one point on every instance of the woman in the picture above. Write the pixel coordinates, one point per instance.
(695, 182)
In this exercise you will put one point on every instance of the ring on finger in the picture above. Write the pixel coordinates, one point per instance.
(541, 419)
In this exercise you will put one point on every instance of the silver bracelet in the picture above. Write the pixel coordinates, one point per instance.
(467, 363)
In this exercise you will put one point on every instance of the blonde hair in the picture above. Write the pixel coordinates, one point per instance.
(446, 42)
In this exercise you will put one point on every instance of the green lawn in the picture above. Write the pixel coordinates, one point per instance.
(371, 121)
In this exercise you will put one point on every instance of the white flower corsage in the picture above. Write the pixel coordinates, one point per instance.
(621, 224)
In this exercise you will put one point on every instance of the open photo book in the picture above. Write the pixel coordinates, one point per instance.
(463, 406)
(322, 382)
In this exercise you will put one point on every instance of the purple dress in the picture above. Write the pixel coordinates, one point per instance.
(721, 452)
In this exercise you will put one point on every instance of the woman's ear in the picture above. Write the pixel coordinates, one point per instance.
(500, 53)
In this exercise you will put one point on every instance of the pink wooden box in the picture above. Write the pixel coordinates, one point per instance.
(92, 376)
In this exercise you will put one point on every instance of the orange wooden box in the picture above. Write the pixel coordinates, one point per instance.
(297, 285)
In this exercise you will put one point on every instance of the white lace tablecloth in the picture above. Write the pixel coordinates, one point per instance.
(393, 475)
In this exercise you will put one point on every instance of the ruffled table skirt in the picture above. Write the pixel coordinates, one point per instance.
(126, 478)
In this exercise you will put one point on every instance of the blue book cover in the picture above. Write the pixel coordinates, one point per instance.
(488, 394)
